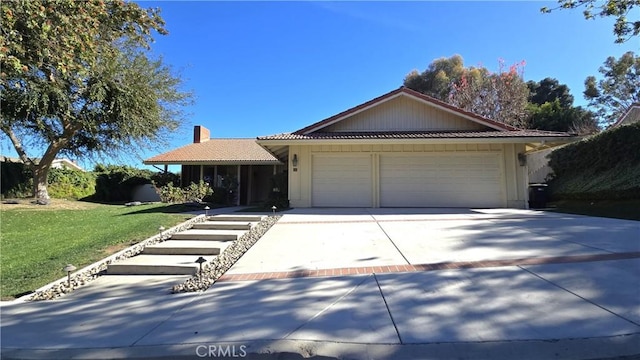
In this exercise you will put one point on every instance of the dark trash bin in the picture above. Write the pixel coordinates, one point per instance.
(538, 196)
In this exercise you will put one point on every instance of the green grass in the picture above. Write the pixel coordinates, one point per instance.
(619, 209)
(36, 242)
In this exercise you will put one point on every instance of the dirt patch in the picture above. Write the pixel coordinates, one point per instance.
(115, 248)
(55, 204)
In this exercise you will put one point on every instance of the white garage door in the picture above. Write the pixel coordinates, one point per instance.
(343, 181)
(441, 180)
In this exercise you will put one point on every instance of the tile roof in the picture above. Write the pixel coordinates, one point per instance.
(406, 91)
(415, 135)
(217, 151)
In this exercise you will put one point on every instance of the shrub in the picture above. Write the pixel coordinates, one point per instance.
(16, 180)
(194, 192)
(115, 183)
(279, 192)
(600, 152)
(161, 179)
(603, 166)
(70, 184)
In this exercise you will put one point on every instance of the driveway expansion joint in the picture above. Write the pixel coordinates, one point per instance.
(395, 326)
(390, 240)
(581, 297)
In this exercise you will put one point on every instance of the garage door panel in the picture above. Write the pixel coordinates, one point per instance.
(342, 181)
(441, 180)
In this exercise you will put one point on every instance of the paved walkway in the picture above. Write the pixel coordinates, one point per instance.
(412, 283)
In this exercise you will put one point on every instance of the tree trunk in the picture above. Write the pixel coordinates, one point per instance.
(40, 192)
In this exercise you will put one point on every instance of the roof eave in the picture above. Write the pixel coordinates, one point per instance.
(477, 140)
(216, 162)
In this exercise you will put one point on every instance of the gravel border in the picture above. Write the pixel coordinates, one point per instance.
(217, 267)
(93, 271)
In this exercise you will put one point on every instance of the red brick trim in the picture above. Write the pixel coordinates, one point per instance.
(364, 270)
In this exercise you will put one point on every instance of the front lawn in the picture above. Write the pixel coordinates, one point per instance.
(36, 242)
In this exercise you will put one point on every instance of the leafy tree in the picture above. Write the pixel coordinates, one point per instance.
(623, 28)
(498, 96)
(619, 88)
(553, 116)
(437, 79)
(551, 108)
(77, 79)
(549, 90)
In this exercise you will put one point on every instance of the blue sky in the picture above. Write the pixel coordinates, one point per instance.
(260, 68)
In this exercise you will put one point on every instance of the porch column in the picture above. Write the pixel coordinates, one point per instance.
(215, 176)
(239, 187)
(249, 186)
(201, 172)
(275, 170)
(166, 168)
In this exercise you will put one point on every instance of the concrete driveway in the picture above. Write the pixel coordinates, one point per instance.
(377, 284)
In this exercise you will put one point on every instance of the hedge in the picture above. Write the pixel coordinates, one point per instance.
(603, 166)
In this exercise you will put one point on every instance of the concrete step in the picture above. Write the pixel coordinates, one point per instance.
(223, 225)
(184, 247)
(204, 235)
(246, 218)
(157, 265)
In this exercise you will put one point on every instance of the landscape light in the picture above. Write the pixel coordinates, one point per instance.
(69, 268)
(201, 260)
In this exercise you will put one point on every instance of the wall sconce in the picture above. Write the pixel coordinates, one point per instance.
(522, 159)
(294, 161)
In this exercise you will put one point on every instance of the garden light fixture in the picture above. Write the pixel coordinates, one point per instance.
(201, 260)
(273, 209)
(68, 269)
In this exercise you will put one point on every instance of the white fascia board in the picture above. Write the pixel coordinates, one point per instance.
(267, 143)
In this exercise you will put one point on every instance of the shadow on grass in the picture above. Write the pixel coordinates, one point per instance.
(175, 209)
(261, 209)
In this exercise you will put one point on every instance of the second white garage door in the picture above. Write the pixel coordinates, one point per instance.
(441, 180)
(342, 180)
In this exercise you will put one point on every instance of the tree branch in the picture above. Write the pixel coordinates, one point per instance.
(18, 146)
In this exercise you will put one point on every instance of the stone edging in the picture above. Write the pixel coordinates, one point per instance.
(218, 266)
(91, 272)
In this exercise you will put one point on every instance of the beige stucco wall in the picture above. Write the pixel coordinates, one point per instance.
(300, 177)
(538, 165)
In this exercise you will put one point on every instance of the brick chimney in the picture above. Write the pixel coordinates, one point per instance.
(200, 134)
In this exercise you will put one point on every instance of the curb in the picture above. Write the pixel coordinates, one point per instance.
(610, 347)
